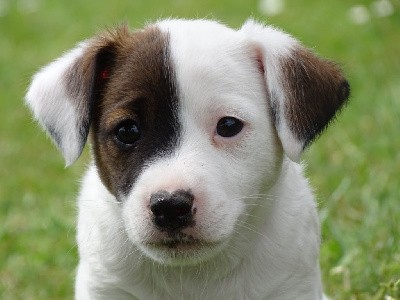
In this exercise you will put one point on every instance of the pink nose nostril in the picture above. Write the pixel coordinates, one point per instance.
(172, 211)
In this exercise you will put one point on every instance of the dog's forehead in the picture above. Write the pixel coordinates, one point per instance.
(198, 34)
(215, 66)
(204, 46)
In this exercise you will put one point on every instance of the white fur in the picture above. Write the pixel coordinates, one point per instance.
(52, 106)
(253, 204)
(275, 45)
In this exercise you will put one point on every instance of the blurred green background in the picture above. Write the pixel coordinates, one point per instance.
(354, 166)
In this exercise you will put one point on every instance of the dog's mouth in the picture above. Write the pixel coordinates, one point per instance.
(182, 249)
(180, 242)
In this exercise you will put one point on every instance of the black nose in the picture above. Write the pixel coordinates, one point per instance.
(172, 211)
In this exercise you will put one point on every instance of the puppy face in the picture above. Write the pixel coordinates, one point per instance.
(199, 123)
(189, 121)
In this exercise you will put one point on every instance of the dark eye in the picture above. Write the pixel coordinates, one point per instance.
(229, 126)
(127, 132)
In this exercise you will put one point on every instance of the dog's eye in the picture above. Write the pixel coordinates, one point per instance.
(127, 132)
(229, 126)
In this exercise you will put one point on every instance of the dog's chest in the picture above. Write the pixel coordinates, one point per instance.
(167, 284)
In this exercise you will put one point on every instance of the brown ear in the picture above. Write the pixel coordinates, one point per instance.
(305, 91)
(61, 94)
(314, 89)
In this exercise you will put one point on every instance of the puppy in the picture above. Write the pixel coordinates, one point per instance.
(196, 129)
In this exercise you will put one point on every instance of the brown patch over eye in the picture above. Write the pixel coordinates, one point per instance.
(135, 111)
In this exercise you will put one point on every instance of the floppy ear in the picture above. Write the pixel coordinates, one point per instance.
(305, 91)
(61, 95)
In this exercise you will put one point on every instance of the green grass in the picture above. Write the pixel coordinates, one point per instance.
(354, 166)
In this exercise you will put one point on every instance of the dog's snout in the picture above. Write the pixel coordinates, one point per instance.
(172, 211)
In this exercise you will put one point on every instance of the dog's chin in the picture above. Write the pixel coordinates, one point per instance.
(181, 252)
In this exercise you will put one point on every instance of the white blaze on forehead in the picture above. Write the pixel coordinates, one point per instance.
(216, 71)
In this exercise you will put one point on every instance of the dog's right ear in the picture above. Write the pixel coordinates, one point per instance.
(305, 91)
(61, 95)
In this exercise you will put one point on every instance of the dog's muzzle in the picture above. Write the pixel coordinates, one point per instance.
(172, 212)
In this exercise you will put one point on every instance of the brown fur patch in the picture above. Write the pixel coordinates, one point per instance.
(316, 90)
(138, 86)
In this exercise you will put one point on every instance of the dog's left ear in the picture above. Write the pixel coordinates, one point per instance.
(61, 95)
(305, 91)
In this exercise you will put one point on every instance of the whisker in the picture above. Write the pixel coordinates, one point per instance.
(245, 225)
